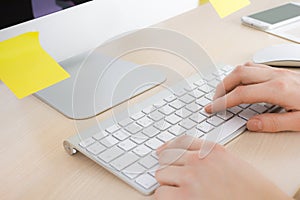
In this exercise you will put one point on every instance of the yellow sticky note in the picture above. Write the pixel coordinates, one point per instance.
(201, 2)
(227, 7)
(25, 67)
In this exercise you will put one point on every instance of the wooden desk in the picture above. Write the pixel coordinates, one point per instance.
(34, 164)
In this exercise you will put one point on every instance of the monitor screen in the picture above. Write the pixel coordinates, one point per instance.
(13, 12)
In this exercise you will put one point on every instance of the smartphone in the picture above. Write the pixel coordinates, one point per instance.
(274, 17)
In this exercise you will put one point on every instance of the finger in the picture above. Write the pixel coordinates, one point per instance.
(186, 142)
(263, 92)
(176, 157)
(252, 64)
(242, 75)
(275, 122)
(169, 175)
(168, 192)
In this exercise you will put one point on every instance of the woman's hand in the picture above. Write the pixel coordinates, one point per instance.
(219, 175)
(254, 83)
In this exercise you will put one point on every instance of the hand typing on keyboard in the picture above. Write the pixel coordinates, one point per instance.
(127, 147)
(254, 83)
(220, 175)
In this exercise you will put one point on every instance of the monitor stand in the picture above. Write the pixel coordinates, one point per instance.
(94, 87)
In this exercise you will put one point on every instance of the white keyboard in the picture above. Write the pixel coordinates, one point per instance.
(127, 147)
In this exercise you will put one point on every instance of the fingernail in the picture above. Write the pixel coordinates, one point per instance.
(255, 125)
(208, 108)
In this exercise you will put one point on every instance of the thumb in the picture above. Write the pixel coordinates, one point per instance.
(275, 122)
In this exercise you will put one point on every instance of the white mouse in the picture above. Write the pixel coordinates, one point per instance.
(283, 55)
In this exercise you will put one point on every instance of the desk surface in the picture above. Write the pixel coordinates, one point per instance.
(34, 164)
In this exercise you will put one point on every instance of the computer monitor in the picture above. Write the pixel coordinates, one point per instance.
(69, 29)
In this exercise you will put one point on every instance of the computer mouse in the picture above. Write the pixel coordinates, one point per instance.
(283, 55)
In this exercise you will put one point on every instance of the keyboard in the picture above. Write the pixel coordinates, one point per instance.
(125, 144)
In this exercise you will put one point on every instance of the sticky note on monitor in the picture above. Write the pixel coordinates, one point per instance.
(227, 7)
(25, 67)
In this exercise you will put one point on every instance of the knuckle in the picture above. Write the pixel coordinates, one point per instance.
(188, 178)
(280, 85)
(192, 157)
(240, 92)
(239, 70)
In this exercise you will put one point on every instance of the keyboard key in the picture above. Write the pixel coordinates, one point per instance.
(180, 93)
(100, 135)
(125, 122)
(209, 77)
(244, 105)
(214, 120)
(206, 88)
(200, 82)
(235, 110)
(226, 129)
(145, 122)
(127, 145)
(197, 93)
(190, 88)
(214, 83)
(154, 143)
(124, 161)
(187, 124)
(133, 128)
(227, 68)
(137, 116)
(187, 99)
(197, 117)
(149, 109)
(160, 104)
(96, 148)
(87, 142)
(167, 110)
(193, 107)
(195, 132)
(258, 108)
(177, 130)
(151, 131)
(173, 119)
(247, 114)
(165, 136)
(170, 98)
(134, 170)
(146, 181)
(203, 101)
(210, 96)
(268, 105)
(142, 150)
(111, 154)
(183, 113)
(148, 161)
(162, 125)
(121, 135)
(139, 138)
(203, 112)
(113, 128)
(225, 115)
(205, 127)
(176, 104)
(109, 141)
(156, 115)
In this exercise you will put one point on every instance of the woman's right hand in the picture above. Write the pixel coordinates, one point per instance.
(254, 83)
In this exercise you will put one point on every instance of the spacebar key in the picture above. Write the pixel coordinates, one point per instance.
(226, 129)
